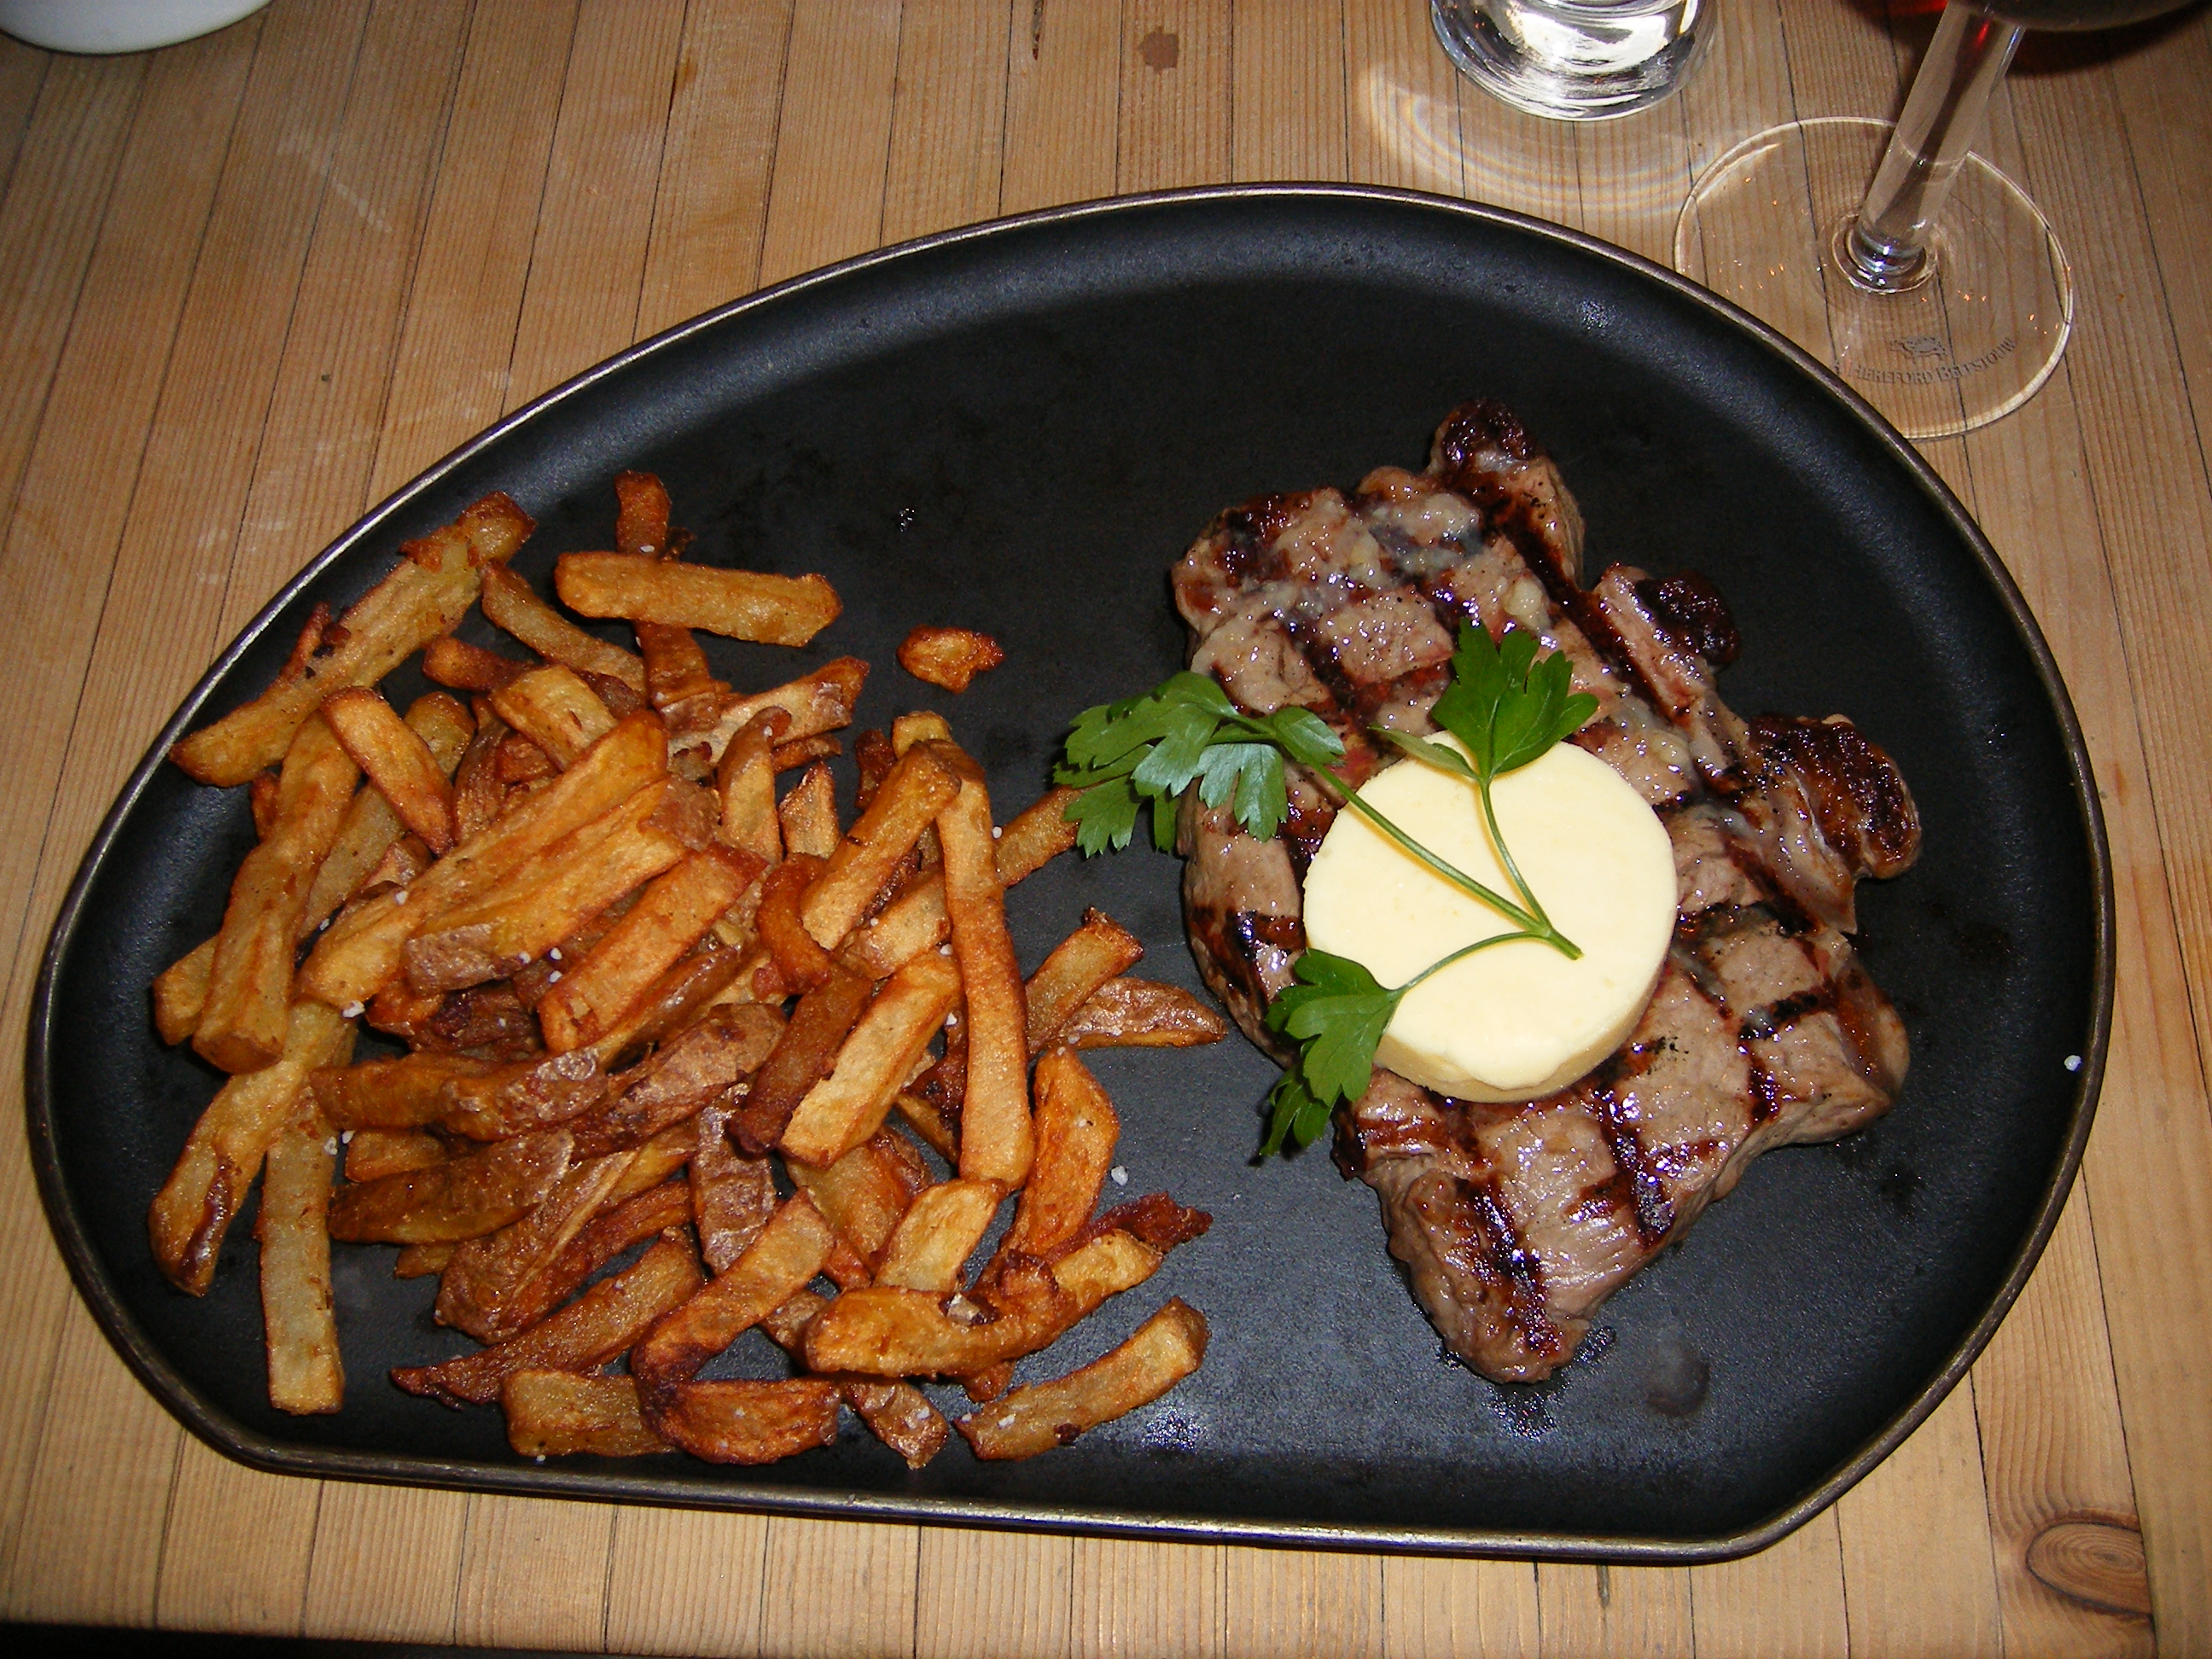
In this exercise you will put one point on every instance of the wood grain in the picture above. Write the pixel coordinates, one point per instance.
(682, 1583)
(827, 202)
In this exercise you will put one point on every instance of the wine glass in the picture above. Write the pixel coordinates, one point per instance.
(1938, 289)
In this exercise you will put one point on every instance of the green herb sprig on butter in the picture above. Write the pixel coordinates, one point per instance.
(1505, 706)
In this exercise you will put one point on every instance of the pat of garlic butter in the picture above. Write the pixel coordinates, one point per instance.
(1520, 1019)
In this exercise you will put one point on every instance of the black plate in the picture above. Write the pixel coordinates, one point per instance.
(1018, 427)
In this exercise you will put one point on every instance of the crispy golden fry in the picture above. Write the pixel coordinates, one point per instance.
(479, 795)
(1039, 833)
(465, 1197)
(912, 922)
(939, 1232)
(541, 904)
(421, 1261)
(478, 1099)
(405, 1093)
(371, 827)
(1076, 1131)
(676, 668)
(804, 751)
(657, 1159)
(849, 1105)
(745, 778)
(738, 605)
(896, 1412)
(949, 656)
(511, 604)
(590, 1331)
(311, 634)
(931, 1123)
(558, 1413)
(434, 583)
(809, 815)
(364, 950)
(180, 991)
(789, 1251)
(745, 1422)
(641, 514)
(462, 667)
(305, 1373)
(801, 1059)
(554, 709)
(519, 760)
(733, 1196)
(1164, 1350)
(195, 1206)
(482, 1289)
(1142, 1013)
(923, 725)
(799, 961)
(919, 787)
(370, 1153)
(669, 917)
(1078, 965)
(629, 1219)
(674, 1000)
(813, 703)
(996, 1143)
(243, 1018)
(866, 1192)
(696, 1067)
(397, 762)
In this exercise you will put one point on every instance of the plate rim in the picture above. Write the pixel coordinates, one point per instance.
(234, 1439)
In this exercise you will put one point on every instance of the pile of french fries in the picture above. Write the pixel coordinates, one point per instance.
(634, 982)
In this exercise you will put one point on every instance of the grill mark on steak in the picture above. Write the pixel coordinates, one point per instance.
(1514, 1223)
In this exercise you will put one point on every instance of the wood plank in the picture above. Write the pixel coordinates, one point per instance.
(1175, 94)
(1785, 1603)
(1287, 95)
(992, 1594)
(595, 216)
(385, 1565)
(1132, 1598)
(711, 204)
(1435, 1608)
(1642, 1611)
(1918, 1568)
(23, 71)
(826, 200)
(1402, 100)
(860, 1579)
(1283, 1604)
(949, 117)
(684, 1582)
(235, 1553)
(451, 378)
(1063, 93)
(1513, 160)
(534, 1574)
(73, 142)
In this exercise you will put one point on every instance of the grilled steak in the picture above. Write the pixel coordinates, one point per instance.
(1515, 1222)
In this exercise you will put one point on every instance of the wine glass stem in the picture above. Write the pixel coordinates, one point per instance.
(1886, 246)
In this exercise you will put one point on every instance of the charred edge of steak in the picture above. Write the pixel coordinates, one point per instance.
(1694, 614)
(1858, 797)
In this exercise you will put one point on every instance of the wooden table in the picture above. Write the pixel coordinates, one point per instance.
(254, 283)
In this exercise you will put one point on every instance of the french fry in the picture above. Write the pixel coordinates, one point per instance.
(606, 1319)
(745, 1422)
(802, 1058)
(925, 1119)
(511, 604)
(481, 1100)
(919, 787)
(866, 1192)
(641, 514)
(628, 1219)
(671, 916)
(939, 1232)
(911, 923)
(809, 815)
(744, 777)
(1078, 965)
(789, 1251)
(540, 905)
(398, 764)
(1142, 1013)
(491, 1020)
(363, 951)
(800, 961)
(996, 1143)
(671, 1003)
(434, 583)
(849, 1104)
(558, 1413)
(421, 1261)
(370, 1153)
(1076, 1131)
(896, 1412)
(519, 760)
(1037, 835)
(305, 1373)
(738, 605)
(243, 1018)
(194, 1208)
(733, 1196)
(949, 656)
(813, 703)
(658, 1158)
(480, 1289)
(463, 1198)
(923, 725)
(462, 667)
(804, 751)
(479, 794)
(1162, 1351)
(696, 1067)
(371, 827)
(180, 991)
(675, 667)
(304, 649)
(554, 709)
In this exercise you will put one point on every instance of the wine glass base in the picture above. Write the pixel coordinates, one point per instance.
(1970, 343)
(1574, 63)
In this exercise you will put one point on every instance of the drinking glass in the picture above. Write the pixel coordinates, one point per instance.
(1930, 279)
(1576, 60)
